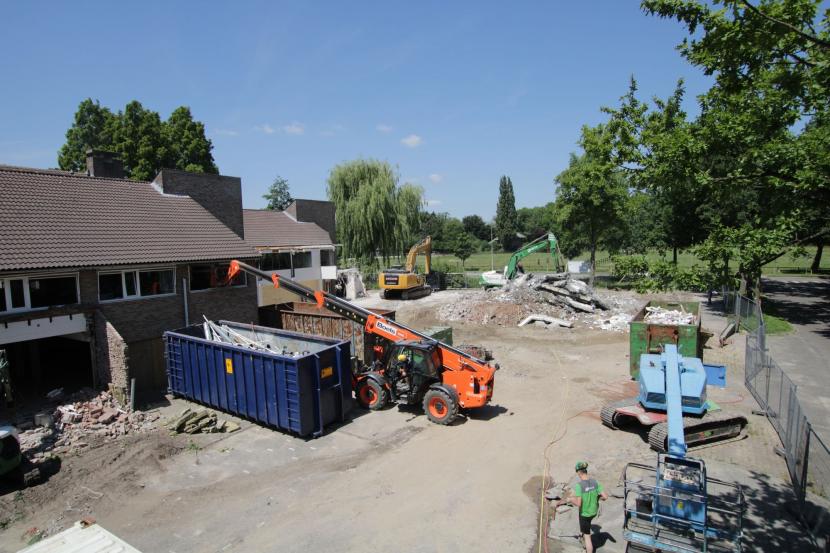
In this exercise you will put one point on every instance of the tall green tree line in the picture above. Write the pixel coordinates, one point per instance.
(144, 142)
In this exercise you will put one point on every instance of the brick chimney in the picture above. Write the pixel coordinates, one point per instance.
(315, 211)
(220, 195)
(104, 164)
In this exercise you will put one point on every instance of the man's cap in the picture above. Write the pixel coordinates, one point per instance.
(581, 465)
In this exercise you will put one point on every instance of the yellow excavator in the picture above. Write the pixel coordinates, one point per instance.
(404, 282)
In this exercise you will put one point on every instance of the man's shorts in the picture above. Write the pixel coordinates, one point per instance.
(585, 524)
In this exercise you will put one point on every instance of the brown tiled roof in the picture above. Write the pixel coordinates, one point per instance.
(276, 229)
(58, 219)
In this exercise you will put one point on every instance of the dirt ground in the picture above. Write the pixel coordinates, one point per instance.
(392, 481)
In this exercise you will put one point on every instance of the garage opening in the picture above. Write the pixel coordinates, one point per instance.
(38, 366)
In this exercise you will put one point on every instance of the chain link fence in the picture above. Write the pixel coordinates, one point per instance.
(807, 456)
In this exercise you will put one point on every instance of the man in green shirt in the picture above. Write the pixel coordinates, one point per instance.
(587, 493)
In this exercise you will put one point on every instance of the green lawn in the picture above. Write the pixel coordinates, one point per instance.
(776, 325)
(481, 261)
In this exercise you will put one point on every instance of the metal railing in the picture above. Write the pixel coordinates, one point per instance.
(807, 456)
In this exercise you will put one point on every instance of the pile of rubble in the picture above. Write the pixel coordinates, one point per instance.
(202, 421)
(88, 417)
(550, 301)
(661, 315)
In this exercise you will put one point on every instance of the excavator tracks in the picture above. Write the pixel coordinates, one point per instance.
(609, 411)
(710, 428)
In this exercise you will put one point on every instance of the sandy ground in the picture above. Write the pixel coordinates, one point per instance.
(392, 481)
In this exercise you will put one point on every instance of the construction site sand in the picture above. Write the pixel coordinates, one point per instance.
(390, 478)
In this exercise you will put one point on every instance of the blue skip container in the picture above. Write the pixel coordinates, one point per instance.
(302, 385)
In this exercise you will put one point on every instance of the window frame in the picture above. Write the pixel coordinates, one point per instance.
(135, 271)
(27, 300)
(213, 265)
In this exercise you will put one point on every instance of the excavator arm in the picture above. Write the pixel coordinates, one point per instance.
(547, 241)
(424, 247)
(471, 377)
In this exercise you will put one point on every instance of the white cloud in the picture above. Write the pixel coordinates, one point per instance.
(435, 178)
(294, 128)
(431, 203)
(412, 141)
(225, 132)
(266, 128)
(384, 128)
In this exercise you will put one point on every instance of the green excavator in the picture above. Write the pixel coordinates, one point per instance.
(496, 279)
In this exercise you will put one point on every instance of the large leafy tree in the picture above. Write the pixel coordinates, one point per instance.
(762, 133)
(591, 195)
(506, 224)
(92, 128)
(659, 152)
(375, 216)
(475, 225)
(278, 195)
(144, 142)
(535, 221)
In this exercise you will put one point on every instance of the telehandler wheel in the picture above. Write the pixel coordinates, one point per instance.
(370, 394)
(440, 407)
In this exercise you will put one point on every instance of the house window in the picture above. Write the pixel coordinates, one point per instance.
(204, 277)
(48, 291)
(22, 293)
(301, 260)
(136, 284)
(327, 258)
(275, 261)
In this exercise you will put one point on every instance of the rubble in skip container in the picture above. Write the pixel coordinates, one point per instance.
(227, 335)
(661, 315)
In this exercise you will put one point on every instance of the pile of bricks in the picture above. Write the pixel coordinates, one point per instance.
(200, 422)
(72, 425)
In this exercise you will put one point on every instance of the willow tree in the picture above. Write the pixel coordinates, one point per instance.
(375, 216)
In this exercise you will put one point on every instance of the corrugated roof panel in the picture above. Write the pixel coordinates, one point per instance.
(82, 539)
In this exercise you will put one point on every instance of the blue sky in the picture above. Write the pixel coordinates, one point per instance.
(454, 94)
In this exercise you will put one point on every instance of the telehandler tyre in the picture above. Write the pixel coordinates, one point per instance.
(371, 395)
(440, 407)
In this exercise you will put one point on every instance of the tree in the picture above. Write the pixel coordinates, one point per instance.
(186, 144)
(590, 196)
(144, 142)
(463, 247)
(506, 221)
(535, 221)
(92, 128)
(436, 226)
(762, 128)
(278, 195)
(374, 215)
(475, 225)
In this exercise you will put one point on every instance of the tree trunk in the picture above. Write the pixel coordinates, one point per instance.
(817, 258)
(674, 255)
(593, 263)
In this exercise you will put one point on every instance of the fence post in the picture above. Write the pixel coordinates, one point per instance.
(802, 492)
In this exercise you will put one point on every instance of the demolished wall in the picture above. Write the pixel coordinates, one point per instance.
(112, 358)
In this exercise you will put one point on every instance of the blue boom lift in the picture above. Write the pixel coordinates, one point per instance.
(675, 506)
(650, 407)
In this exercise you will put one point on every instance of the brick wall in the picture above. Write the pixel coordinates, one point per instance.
(220, 195)
(315, 211)
(111, 357)
(233, 304)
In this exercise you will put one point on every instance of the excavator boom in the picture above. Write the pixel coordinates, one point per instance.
(424, 247)
(542, 243)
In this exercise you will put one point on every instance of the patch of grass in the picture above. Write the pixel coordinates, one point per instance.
(776, 325)
(193, 446)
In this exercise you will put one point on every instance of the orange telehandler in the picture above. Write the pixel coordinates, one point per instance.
(410, 368)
